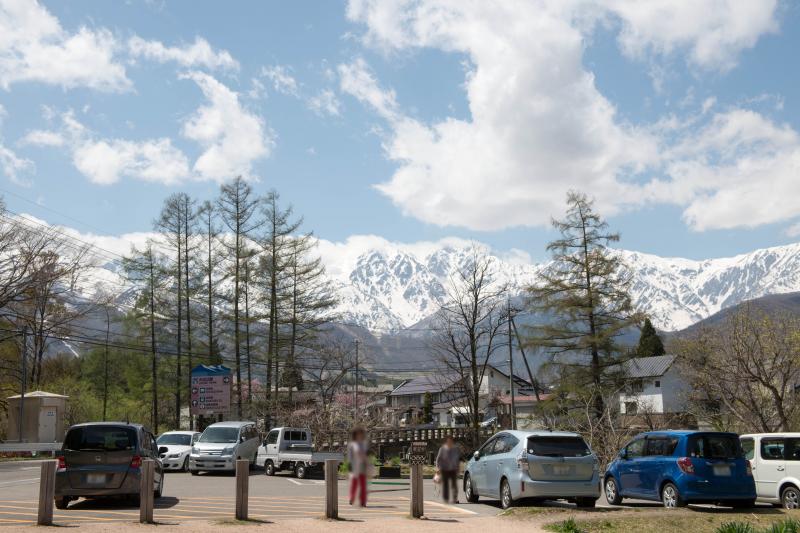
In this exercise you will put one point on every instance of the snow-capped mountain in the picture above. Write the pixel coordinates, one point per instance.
(392, 286)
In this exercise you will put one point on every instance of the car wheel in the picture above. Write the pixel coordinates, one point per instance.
(186, 464)
(671, 498)
(612, 492)
(469, 490)
(269, 468)
(585, 503)
(62, 502)
(300, 471)
(506, 499)
(790, 498)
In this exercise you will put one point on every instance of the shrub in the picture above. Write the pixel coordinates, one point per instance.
(789, 525)
(736, 527)
(567, 526)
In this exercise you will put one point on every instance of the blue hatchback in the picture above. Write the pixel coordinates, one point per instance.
(682, 467)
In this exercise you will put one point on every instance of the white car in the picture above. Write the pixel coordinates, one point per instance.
(775, 461)
(179, 445)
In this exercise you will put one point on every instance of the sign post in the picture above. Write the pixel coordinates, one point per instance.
(416, 457)
(211, 390)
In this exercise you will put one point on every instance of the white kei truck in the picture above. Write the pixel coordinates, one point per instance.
(291, 449)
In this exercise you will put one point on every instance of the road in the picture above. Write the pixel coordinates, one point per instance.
(211, 497)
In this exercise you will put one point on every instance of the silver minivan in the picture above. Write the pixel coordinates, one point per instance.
(536, 465)
(221, 444)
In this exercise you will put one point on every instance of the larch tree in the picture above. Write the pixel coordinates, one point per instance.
(238, 208)
(585, 296)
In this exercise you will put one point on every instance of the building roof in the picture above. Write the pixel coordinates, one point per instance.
(648, 367)
(38, 394)
(523, 398)
(422, 384)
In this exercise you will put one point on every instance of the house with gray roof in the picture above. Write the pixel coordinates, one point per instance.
(653, 385)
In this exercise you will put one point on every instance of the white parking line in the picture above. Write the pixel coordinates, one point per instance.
(450, 507)
(31, 480)
(294, 481)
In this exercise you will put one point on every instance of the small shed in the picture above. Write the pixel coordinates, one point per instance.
(43, 417)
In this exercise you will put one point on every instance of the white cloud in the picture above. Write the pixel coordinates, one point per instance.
(34, 47)
(325, 103)
(198, 54)
(106, 161)
(538, 124)
(13, 166)
(232, 137)
(281, 78)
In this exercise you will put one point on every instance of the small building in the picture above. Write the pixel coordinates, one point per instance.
(43, 417)
(653, 385)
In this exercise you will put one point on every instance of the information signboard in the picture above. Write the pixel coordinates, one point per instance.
(416, 455)
(211, 390)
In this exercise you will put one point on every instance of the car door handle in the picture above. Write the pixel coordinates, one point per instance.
(780, 469)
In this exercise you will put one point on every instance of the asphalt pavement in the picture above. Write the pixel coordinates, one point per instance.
(211, 497)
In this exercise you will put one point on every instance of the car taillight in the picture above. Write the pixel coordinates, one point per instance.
(62, 464)
(136, 461)
(686, 466)
(749, 469)
(522, 461)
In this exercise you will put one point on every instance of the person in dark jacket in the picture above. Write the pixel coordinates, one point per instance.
(447, 462)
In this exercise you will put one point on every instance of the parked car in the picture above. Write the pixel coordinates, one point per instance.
(178, 445)
(221, 444)
(682, 467)
(100, 459)
(291, 449)
(775, 461)
(533, 464)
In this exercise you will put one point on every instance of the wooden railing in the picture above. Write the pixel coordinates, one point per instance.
(402, 435)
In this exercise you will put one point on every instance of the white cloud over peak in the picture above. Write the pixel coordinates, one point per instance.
(106, 161)
(539, 126)
(232, 137)
(34, 47)
(198, 54)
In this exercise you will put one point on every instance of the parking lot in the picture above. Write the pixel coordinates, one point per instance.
(211, 497)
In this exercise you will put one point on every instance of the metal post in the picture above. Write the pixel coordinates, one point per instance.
(23, 383)
(331, 489)
(47, 488)
(511, 370)
(242, 488)
(416, 491)
(146, 485)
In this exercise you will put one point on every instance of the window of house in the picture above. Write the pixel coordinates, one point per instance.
(631, 408)
(636, 386)
(658, 383)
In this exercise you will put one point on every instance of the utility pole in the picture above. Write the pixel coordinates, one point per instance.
(356, 385)
(105, 364)
(20, 425)
(511, 370)
(153, 342)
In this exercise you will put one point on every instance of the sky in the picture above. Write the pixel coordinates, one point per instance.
(412, 120)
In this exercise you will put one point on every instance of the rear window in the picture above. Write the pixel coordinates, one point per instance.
(558, 446)
(100, 438)
(715, 447)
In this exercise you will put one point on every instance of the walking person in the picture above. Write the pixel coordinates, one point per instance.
(447, 462)
(359, 463)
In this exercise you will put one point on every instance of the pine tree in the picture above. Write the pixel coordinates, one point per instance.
(238, 209)
(427, 408)
(649, 342)
(586, 294)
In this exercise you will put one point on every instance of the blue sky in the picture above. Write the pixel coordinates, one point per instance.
(413, 121)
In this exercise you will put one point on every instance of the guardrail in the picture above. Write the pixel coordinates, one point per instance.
(37, 447)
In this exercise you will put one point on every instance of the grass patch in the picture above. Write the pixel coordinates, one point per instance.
(681, 521)
(235, 522)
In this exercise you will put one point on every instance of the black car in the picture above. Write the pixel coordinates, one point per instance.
(101, 459)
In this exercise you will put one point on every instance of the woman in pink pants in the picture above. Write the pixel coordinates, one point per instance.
(357, 457)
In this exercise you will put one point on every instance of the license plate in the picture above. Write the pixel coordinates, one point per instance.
(722, 470)
(561, 470)
(95, 479)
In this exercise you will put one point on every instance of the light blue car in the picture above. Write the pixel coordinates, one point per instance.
(535, 465)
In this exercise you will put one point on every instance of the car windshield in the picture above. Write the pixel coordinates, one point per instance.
(175, 439)
(558, 447)
(715, 447)
(220, 434)
(100, 438)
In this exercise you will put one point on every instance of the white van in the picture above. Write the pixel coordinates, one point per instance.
(775, 460)
(221, 444)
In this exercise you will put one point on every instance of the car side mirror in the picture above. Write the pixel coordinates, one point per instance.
(162, 449)
(476, 455)
(623, 454)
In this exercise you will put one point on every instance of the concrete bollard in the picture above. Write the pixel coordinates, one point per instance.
(47, 490)
(417, 510)
(146, 479)
(242, 488)
(332, 489)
